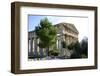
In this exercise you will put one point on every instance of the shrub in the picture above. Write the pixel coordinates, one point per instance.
(71, 46)
(84, 56)
(64, 45)
(76, 50)
(54, 52)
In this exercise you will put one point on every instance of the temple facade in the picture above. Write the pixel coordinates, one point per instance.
(65, 32)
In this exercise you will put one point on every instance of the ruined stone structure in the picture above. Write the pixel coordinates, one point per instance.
(65, 32)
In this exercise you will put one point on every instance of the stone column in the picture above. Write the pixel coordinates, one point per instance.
(28, 45)
(31, 44)
(41, 52)
(38, 49)
(57, 43)
(35, 47)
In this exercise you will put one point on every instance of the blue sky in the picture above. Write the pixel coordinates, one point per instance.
(35, 20)
(81, 23)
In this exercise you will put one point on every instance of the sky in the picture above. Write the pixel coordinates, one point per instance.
(81, 23)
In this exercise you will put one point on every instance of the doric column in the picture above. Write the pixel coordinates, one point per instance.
(38, 50)
(35, 46)
(57, 43)
(31, 45)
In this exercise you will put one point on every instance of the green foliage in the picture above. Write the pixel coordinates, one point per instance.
(64, 45)
(84, 47)
(84, 56)
(76, 50)
(54, 52)
(80, 50)
(46, 33)
(77, 47)
(71, 46)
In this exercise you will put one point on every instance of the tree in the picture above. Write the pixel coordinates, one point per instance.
(84, 46)
(46, 32)
(76, 50)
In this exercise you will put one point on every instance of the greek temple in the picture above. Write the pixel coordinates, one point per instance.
(66, 32)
